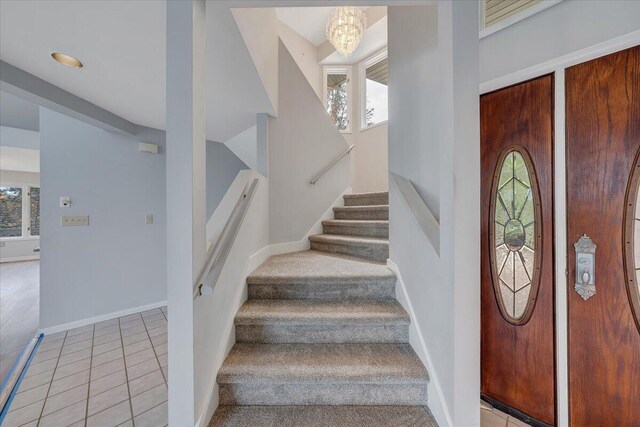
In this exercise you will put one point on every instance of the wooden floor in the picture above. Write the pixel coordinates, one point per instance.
(19, 309)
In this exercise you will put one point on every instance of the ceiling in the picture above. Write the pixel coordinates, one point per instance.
(309, 22)
(122, 45)
(15, 112)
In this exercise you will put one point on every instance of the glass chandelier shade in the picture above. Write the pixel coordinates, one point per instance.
(345, 28)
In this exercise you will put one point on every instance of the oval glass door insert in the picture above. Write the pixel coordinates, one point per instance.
(632, 239)
(515, 235)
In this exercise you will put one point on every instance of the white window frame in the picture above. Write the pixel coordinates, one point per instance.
(26, 211)
(362, 73)
(339, 69)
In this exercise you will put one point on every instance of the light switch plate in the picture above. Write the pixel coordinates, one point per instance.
(74, 220)
(148, 219)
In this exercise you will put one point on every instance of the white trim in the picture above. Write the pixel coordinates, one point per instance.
(101, 318)
(340, 69)
(18, 239)
(513, 19)
(362, 80)
(20, 258)
(560, 225)
(436, 402)
(600, 49)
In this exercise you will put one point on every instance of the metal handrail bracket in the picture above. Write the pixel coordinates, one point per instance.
(317, 177)
(217, 255)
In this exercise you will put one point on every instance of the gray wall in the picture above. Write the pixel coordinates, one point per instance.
(560, 30)
(117, 262)
(302, 141)
(222, 168)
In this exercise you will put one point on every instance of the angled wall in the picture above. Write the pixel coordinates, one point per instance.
(302, 142)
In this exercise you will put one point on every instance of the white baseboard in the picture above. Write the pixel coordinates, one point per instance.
(100, 318)
(20, 258)
(437, 404)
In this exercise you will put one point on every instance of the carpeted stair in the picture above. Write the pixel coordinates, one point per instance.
(321, 340)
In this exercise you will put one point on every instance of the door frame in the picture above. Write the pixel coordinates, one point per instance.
(557, 67)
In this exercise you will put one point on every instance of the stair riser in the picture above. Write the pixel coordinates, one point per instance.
(324, 291)
(374, 252)
(361, 231)
(363, 215)
(366, 201)
(323, 394)
(323, 333)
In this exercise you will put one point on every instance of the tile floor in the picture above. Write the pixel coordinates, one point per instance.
(491, 417)
(113, 373)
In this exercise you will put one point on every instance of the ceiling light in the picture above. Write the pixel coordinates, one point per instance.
(67, 60)
(345, 29)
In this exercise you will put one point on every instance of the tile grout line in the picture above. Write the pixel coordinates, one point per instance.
(52, 377)
(154, 350)
(86, 408)
(126, 375)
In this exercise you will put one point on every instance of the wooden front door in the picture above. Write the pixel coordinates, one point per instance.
(518, 358)
(603, 140)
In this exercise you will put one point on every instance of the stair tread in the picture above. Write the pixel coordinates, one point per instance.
(321, 311)
(362, 208)
(314, 267)
(324, 363)
(357, 222)
(349, 240)
(338, 416)
(367, 194)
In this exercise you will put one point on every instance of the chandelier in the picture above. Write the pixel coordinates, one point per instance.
(345, 28)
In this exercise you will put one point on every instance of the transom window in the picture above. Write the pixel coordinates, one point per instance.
(374, 90)
(19, 211)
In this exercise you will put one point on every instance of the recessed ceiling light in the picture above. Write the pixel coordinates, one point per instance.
(67, 60)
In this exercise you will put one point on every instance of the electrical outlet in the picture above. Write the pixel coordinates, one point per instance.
(2, 244)
(76, 220)
(148, 219)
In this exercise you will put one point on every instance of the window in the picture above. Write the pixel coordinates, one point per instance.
(632, 240)
(515, 236)
(34, 227)
(337, 96)
(10, 211)
(374, 90)
(19, 211)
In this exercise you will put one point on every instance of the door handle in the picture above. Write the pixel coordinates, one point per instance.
(585, 267)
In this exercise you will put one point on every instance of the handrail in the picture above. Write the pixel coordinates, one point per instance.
(217, 254)
(317, 177)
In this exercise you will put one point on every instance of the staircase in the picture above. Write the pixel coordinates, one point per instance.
(321, 340)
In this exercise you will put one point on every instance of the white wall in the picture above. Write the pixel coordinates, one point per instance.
(305, 54)
(434, 142)
(214, 332)
(222, 167)
(244, 145)
(259, 29)
(567, 27)
(117, 262)
(302, 142)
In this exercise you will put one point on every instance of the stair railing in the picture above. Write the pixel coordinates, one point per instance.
(317, 177)
(218, 253)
